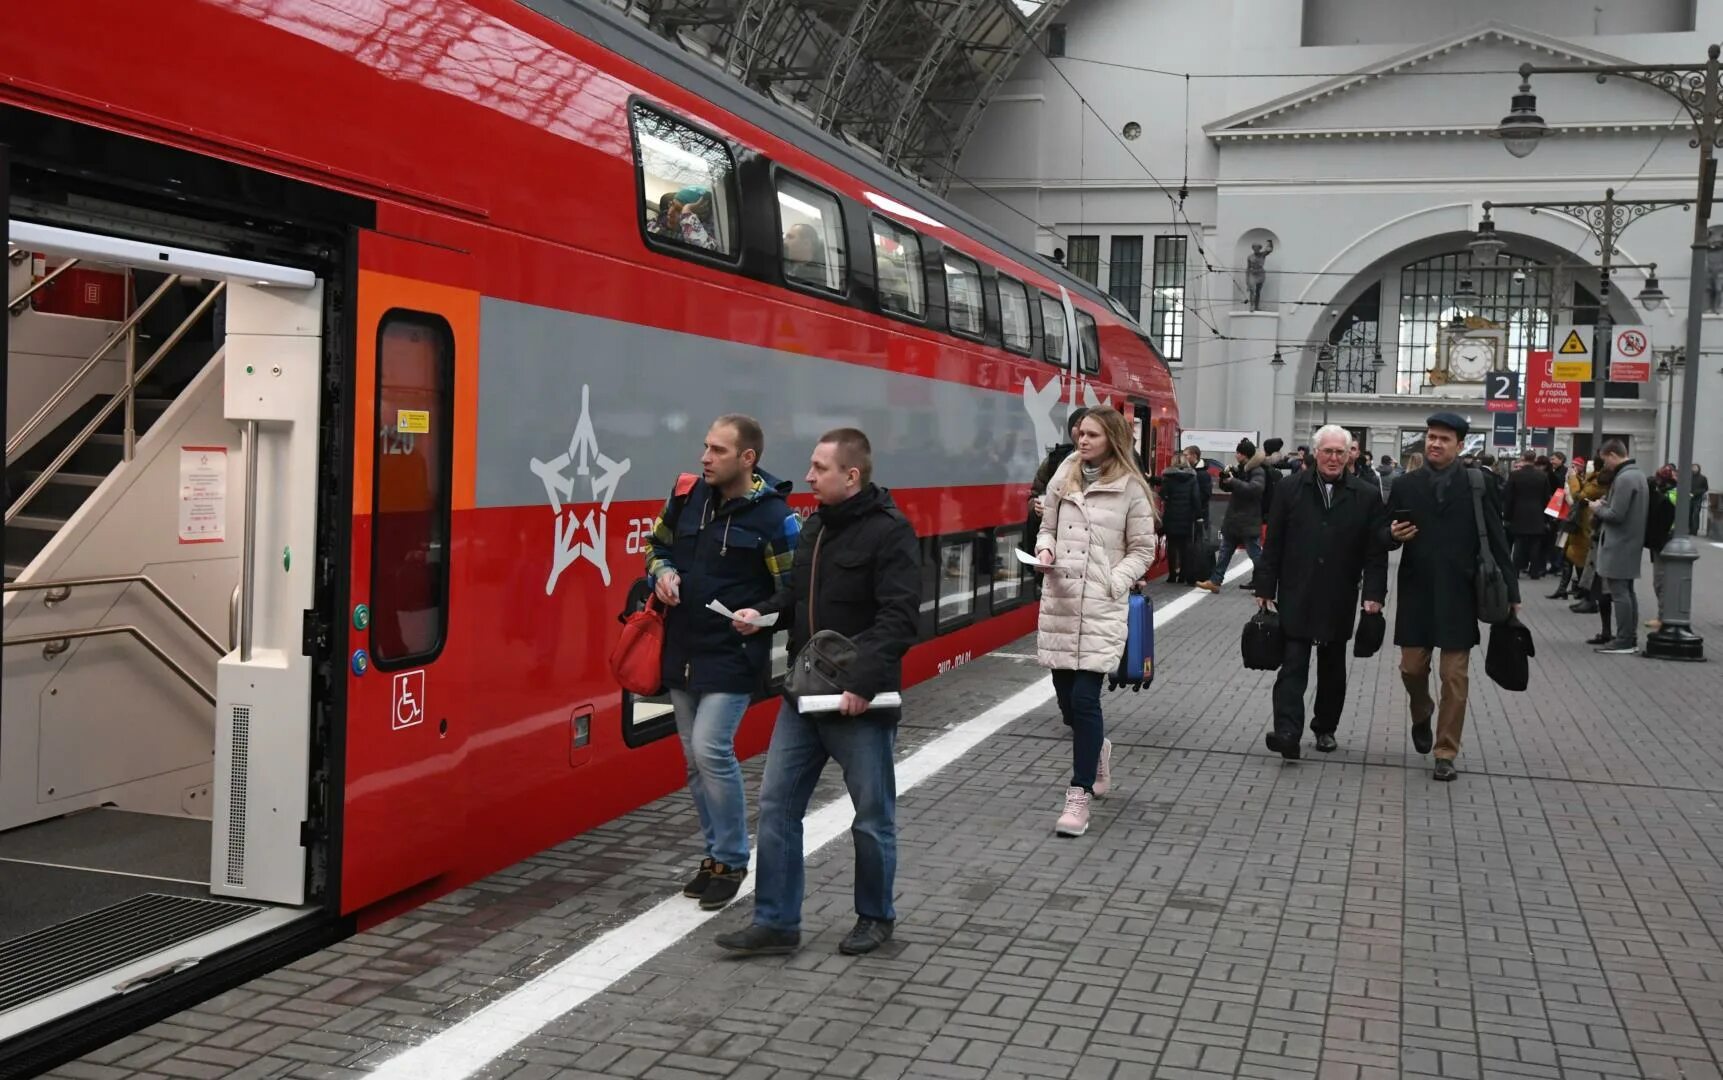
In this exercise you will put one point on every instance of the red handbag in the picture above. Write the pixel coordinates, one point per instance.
(637, 661)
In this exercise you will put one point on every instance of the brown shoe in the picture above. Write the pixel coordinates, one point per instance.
(1208, 586)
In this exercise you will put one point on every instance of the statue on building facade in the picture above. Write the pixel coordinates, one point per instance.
(1714, 270)
(1255, 274)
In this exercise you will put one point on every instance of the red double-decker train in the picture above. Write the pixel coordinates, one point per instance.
(473, 277)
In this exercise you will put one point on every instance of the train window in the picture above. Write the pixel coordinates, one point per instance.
(897, 263)
(812, 223)
(1053, 329)
(411, 488)
(1007, 571)
(1014, 315)
(956, 580)
(687, 184)
(963, 295)
(1091, 339)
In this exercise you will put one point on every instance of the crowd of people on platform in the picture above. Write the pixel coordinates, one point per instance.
(727, 557)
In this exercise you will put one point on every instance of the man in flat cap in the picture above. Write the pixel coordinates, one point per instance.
(1432, 517)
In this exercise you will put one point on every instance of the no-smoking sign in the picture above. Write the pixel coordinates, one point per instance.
(1630, 359)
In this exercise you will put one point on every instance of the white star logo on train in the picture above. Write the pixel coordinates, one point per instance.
(575, 537)
(1040, 403)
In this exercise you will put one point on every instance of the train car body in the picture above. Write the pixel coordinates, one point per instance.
(487, 270)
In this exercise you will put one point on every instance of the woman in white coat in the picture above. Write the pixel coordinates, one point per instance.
(1096, 540)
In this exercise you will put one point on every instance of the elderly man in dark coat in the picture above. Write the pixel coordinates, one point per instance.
(1327, 531)
(1434, 520)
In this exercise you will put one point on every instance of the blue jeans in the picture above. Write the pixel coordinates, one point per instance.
(1079, 694)
(801, 745)
(707, 724)
(1252, 547)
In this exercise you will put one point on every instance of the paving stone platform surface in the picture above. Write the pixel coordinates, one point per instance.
(1556, 912)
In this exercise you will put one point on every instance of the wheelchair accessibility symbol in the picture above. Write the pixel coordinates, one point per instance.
(409, 700)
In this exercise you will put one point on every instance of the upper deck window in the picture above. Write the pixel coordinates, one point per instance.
(963, 295)
(687, 184)
(897, 262)
(1014, 315)
(1091, 339)
(1053, 329)
(813, 236)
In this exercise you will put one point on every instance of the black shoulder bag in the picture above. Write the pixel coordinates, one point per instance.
(1492, 587)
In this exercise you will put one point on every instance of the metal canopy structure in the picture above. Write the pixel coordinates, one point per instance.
(906, 80)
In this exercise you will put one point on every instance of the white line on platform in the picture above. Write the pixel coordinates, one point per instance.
(473, 1043)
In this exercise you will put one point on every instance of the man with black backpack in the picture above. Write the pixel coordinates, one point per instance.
(727, 535)
(858, 574)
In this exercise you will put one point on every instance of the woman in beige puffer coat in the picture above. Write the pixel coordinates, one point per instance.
(1096, 540)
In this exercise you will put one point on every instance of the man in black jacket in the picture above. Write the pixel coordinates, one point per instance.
(1327, 532)
(1527, 492)
(857, 571)
(1434, 520)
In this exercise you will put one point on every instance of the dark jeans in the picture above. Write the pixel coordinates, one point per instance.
(1626, 605)
(1294, 676)
(1528, 555)
(1178, 547)
(1252, 547)
(1079, 694)
(801, 746)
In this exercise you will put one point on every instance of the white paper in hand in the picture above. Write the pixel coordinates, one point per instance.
(1029, 560)
(757, 620)
(814, 703)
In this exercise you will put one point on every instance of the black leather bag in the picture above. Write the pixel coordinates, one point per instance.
(1494, 607)
(824, 660)
(1262, 644)
(1372, 631)
(1508, 660)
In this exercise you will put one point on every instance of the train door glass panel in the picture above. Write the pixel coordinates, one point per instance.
(1014, 316)
(957, 585)
(898, 266)
(811, 225)
(963, 295)
(1091, 339)
(1053, 329)
(687, 184)
(1007, 571)
(410, 538)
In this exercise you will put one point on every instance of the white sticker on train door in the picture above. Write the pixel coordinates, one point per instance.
(409, 700)
(202, 494)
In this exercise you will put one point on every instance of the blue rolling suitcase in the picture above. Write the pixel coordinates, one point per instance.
(1137, 665)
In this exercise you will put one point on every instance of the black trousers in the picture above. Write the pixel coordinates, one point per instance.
(1294, 676)
(1528, 555)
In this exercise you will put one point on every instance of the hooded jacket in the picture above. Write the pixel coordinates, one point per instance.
(1180, 507)
(736, 551)
(1247, 482)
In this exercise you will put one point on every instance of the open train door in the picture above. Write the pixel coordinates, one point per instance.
(417, 343)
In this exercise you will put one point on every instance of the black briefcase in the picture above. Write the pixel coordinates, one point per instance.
(1508, 660)
(1262, 644)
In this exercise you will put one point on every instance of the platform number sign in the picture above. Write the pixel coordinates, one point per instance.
(1502, 391)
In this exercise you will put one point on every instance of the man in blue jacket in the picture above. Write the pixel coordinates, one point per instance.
(728, 536)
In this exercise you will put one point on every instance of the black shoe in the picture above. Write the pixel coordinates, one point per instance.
(1619, 648)
(761, 941)
(696, 886)
(1600, 639)
(1325, 743)
(723, 887)
(1249, 586)
(868, 935)
(1559, 594)
(1286, 748)
(1584, 607)
(1422, 737)
(1445, 769)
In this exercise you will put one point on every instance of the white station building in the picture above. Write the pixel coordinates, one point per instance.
(1151, 147)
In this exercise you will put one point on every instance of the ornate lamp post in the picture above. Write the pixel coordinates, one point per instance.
(1674, 360)
(1607, 219)
(1699, 90)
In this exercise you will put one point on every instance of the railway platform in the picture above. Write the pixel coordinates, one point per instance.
(1555, 913)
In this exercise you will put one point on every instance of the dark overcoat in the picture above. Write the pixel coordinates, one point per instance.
(1437, 600)
(1180, 506)
(1318, 554)
(1528, 492)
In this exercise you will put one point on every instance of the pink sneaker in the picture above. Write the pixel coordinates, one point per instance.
(1104, 769)
(1075, 820)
